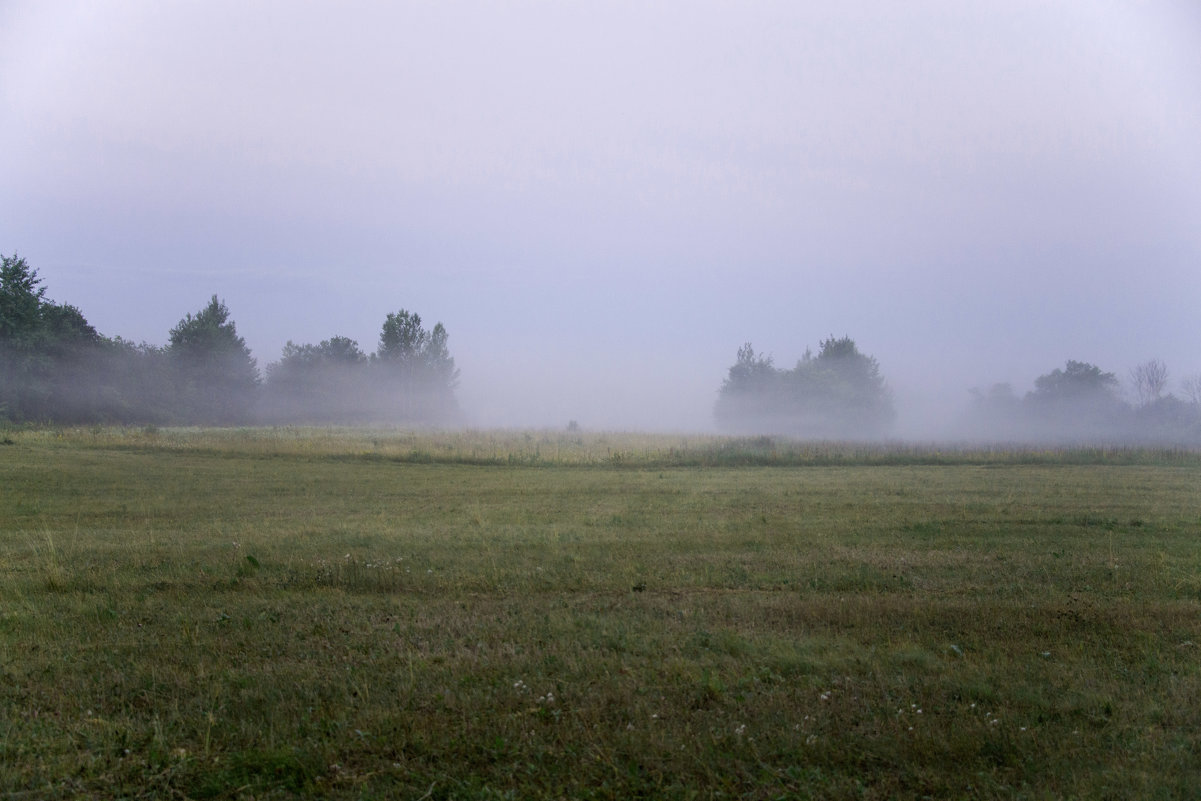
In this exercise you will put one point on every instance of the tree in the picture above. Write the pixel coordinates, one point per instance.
(402, 340)
(137, 383)
(218, 378)
(439, 366)
(415, 364)
(21, 298)
(318, 383)
(20, 301)
(46, 350)
(1078, 381)
(341, 350)
(752, 373)
(1079, 400)
(65, 327)
(847, 386)
(838, 393)
(1160, 417)
(55, 366)
(1150, 379)
(748, 400)
(1167, 419)
(301, 358)
(1191, 387)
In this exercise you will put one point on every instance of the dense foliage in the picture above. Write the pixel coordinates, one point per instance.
(43, 346)
(837, 394)
(411, 376)
(54, 366)
(215, 372)
(1082, 402)
(841, 394)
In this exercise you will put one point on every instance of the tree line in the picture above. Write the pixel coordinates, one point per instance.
(840, 393)
(55, 367)
(1082, 402)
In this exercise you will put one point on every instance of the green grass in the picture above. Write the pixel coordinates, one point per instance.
(369, 614)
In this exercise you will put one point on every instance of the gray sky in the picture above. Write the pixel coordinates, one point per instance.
(602, 201)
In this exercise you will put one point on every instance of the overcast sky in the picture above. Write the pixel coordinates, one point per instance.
(601, 201)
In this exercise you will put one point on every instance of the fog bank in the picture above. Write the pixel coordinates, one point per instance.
(604, 202)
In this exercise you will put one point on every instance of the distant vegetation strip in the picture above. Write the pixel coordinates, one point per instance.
(547, 448)
(56, 368)
(216, 613)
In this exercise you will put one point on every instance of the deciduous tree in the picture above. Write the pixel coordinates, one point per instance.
(46, 350)
(217, 375)
(838, 393)
(328, 382)
(1150, 379)
(417, 367)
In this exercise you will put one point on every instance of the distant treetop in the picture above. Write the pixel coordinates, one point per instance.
(839, 393)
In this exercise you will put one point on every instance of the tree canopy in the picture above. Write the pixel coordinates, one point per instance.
(417, 368)
(310, 382)
(218, 376)
(410, 378)
(1076, 400)
(21, 300)
(54, 366)
(43, 347)
(1076, 382)
(1082, 402)
(839, 393)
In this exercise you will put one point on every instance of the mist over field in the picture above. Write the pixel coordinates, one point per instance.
(615, 399)
(603, 204)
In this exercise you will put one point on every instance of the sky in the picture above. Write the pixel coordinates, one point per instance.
(602, 201)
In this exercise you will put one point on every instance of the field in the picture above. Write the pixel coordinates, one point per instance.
(272, 613)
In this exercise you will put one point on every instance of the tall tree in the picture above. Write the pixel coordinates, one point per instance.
(218, 377)
(401, 340)
(21, 298)
(46, 350)
(22, 368)
(439, 364)
(416, 366)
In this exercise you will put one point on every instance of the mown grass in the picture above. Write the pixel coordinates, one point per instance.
(357, 614)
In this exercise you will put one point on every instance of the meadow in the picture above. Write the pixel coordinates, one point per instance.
(342, 613)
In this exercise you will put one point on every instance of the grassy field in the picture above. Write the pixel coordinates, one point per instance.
(388, 614)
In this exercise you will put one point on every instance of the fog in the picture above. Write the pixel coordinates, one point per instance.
(603, 202)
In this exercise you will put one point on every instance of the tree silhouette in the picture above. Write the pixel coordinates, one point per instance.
(217, 376)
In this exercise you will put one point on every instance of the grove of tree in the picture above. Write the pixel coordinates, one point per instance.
(55, 367)
(1081, 402)
(837, 394)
